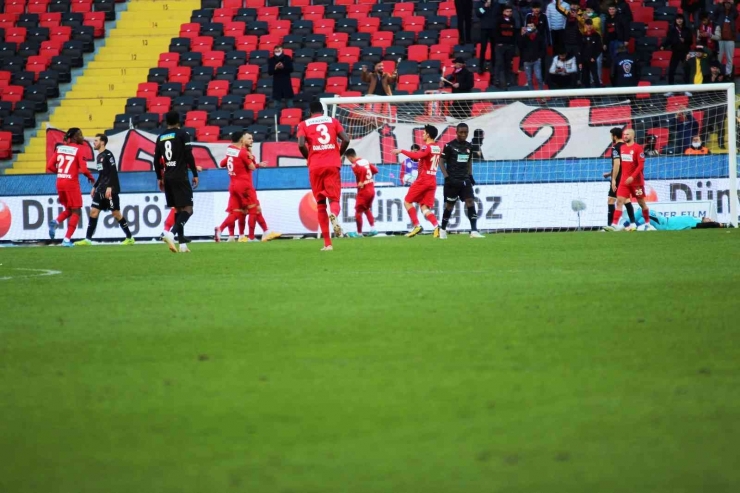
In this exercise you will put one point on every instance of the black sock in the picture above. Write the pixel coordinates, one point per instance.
(630, 211)
(446, 214)
(91, 225)
(473, 216)
(610, 216)
(124, 226)
(180, 219)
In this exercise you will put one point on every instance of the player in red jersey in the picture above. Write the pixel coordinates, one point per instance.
(632, 182)
(242, 195)
(317, 140)
(364, 173)
(68, 162)
(423, 189)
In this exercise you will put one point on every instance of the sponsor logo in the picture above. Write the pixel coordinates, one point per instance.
(6, 219)
(67, 150)
(167, 136)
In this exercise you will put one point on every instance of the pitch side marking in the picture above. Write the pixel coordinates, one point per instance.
(37, 273)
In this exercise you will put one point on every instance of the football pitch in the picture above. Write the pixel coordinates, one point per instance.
(562, 362)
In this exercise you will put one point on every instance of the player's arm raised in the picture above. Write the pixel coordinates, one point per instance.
(414, 155)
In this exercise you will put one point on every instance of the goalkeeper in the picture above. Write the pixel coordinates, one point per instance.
(456, 164)
(678, 223)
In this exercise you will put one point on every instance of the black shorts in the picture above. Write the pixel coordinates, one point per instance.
(454, 189)
(178, 193)
(101, 203)
(612, 193)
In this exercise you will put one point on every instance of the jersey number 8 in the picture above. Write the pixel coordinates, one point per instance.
(168, 150)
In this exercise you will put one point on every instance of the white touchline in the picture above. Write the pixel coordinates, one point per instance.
(39, 273)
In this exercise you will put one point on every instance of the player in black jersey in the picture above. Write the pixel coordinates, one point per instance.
(616, 152)
(105, 192)
(173, 153)
(457, 168)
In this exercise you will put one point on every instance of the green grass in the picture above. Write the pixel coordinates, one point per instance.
(520, 363)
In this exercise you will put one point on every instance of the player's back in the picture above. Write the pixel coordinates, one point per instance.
(321, 134)
(174, 148)
(429, 162)
(68, 160)
(364, 171)
(237, 164)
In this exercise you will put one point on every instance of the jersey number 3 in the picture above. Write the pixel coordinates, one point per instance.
(324, 138)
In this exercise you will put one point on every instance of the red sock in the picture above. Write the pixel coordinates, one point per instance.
(228, 223)
(334, 208)
(252, 223)
(358, 221)
(617, 216)
(414, 216)
(72, 225)
(324, 224)
(242, 220)
(646, 215)
(63, 216)
(370, 218)
(431, 218)
(170, 221)
(261, 221)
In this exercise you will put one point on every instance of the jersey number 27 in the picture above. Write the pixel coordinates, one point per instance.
(61, 168)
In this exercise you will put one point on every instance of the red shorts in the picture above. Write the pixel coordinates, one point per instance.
(70, 197)
(422, 193)
(364, 199)
(241, 197)
(325, 183)
(627, 191)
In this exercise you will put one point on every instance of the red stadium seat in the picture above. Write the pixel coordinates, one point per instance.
(196, 118)
(190, 30)
(295, 83)
(447, 9)
(643, 95)
(61, 33)
(233, 4)
(675, 103)
(234, 28)
(81, 7)
(158, 104)
(414, 23)
(449, 36)
(15, 6)
(37, 6)
(336, 85)
(12, 94)
(657, 29)
(255, 102)
(180, 74)
(37, 63)
(267, 13)
(248, 72)
(418, 53)
(51, 48)
(315, 68)
(344, 2)
(15, 35)
(350, 54)
(269, 41)
(254, 4)
(381, 39)
(358, 12)
(97, 21)
(368, 25)
(8, 20)
(290, 116)
(6, 149)
(324, 26)
(313, 12)
(279, 27)
(168, 60)
(201, 44)
(247, 43)
(147, 90)
(223, 15)
(403, 7)
(218, 88)
(213, 59)
(408, 83)
(642, 14)
(389, 66)
(337, 40)
(300, 3)
(208, 133)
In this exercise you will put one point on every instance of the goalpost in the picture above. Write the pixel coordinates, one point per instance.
(540, 156)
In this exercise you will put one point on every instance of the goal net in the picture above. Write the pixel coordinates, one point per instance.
(540, 156)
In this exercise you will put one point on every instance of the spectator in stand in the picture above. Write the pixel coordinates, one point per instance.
(650, 146)
(714, 117)
(379, 82)
(487, 14)
(707, 35)
(505, 35)
(679, 41)
(477, 144)
(542, 24)
(531, 49)
(697, 147)
(698, 65)
(590, 51)
(557, 25)
(586, 14)
(280, 66)
(692, 9)
(572, 32)
(563, 71)
(725, 18)
(685, 127)
(625, 69)
(625, 12)
(464, 10)
(461, 82)
(616, 32)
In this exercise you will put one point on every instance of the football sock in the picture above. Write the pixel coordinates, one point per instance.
(252, 224)
(229, 223)
(323, 222)
(630, 211)
(63, 216)
(431, 218)
(334, 207)
(473, 217)
(610, 215)
(170, 221)
(122, 223)
(180, 219)
(74, 219)
(414, 216)
(370, 218)
(617, 216)
(646, 215)
(242, 220)
(446, 215)
(91, 225)
(358, 220)
(261, 221)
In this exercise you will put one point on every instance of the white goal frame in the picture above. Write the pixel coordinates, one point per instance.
(610, 91)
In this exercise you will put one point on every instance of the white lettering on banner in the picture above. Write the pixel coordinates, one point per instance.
(524, 206)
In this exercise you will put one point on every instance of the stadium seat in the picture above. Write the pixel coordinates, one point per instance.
(218, 88)
(368, 25)
(147, 90)
(180, 74)
(169, 89)
(168, 60)
(255, 102)
(195, 89)
(231, 102)
(207, 133)
(159, 105)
